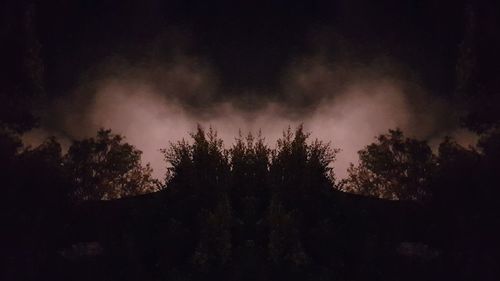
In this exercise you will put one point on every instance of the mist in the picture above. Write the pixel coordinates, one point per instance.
(155, 104)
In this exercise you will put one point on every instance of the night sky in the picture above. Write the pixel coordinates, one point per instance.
(348, 70)
(250, 44)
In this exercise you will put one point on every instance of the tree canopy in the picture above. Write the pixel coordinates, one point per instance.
(105, 168)
(394, 167)
(255, 212)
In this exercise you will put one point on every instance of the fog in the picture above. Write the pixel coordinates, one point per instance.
(345, 104)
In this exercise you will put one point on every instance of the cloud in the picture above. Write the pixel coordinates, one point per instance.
(153, 104)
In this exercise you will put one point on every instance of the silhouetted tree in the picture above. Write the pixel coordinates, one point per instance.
(250, 212)
(301, 181)
(394, 167)
(105, 168)
(465, 206)
(456, 175)
(198, 189)
(250, 164)
(36, 206)
(300, 169)
(249, 186)
(198, 167)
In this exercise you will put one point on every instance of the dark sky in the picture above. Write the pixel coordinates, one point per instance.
(250, 44)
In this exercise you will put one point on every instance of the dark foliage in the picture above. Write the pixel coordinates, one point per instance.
(107, 168)
(394, 167)
(251, 212)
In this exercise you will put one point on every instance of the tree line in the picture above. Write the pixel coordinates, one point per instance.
(255, 212)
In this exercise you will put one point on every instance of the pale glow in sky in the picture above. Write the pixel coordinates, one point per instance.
(349, 117)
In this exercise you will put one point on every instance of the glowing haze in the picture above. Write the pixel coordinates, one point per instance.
(153, 105)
